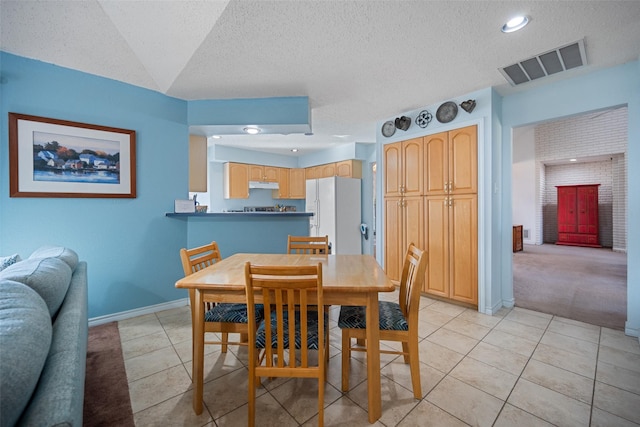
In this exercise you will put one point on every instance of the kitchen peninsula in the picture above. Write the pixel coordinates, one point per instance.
(251, 232)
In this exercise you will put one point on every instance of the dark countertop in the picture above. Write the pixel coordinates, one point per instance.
(239, 214)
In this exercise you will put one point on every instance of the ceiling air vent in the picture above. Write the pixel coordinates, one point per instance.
(555, 61)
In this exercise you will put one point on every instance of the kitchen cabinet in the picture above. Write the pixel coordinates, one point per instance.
(404, 224)
(263, 173)
(236, 181)
(313, 172)
(283, 184)
(349, 169)
(403, 168)
(578, 215)
(327, 170)
(451, 240)
(297, 187)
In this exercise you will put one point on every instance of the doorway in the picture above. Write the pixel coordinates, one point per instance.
(576, 150)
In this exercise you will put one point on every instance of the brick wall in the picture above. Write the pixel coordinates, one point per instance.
(599, 140)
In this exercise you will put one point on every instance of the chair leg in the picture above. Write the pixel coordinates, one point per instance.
(405, 350)
(321, 400)
(225, 340)
(252, 396)
(346, 356)
(414, 363)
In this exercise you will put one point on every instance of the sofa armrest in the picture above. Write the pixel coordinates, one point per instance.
(59, 396)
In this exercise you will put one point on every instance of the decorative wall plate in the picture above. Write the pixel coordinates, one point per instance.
(403, 122)
(388, 128)
(424, 118)
(447, 112)
(468, 105)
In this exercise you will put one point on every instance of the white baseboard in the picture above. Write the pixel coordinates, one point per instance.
(138, 312)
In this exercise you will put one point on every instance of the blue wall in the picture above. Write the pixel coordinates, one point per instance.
(130, 246)
(595, 91)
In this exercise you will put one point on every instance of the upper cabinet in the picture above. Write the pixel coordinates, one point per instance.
(450, 160)
(403, 168)
(263, 173)
(349, 169)
(297, 184)
(236, 181)
(345, 168)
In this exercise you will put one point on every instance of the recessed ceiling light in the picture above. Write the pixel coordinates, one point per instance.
(251, 130)
(516, 23)
(294, 150)
(573, 160)
(216, 137)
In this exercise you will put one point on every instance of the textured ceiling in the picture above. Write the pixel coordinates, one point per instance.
(359, 62)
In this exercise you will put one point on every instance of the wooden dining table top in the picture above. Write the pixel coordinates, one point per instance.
(340, 273)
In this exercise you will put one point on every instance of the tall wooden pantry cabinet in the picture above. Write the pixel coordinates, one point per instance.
(431, 199)
(578, 215)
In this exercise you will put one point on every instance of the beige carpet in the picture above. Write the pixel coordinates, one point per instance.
(585, 284)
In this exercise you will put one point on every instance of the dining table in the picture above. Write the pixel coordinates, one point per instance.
(346, 280)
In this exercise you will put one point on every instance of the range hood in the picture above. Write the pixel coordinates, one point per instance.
(264, 185)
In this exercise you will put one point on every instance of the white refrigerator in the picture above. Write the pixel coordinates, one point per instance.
(336, 206)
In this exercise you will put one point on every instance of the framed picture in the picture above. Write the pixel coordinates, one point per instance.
(59, 158)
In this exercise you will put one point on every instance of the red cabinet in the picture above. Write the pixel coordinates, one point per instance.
(578, 215)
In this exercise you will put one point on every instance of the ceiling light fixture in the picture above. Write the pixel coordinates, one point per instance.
(294, 150)
(216, 136)
(573, 160)
(251, 130)
(516, 23)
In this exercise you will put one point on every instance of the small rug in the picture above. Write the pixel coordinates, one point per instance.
(106, 390)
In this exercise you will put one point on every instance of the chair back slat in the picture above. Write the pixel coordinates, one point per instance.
(196, 259)
(308, 245)
(411, 282)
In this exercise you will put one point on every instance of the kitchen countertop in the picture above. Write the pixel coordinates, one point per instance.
(238, 214)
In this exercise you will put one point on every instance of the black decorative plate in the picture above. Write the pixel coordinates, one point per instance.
(388, 128)
(447, 112)
(424, 118)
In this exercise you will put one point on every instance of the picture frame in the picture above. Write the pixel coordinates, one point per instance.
(60, 158)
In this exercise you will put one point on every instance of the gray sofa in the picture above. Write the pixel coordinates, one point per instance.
(43, 339)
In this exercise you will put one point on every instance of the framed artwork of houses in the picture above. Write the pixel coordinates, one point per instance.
(59, 158)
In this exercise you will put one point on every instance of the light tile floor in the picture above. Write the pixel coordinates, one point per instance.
(518, 367)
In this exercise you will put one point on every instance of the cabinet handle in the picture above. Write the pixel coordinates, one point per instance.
(450, 186)
(449, 201)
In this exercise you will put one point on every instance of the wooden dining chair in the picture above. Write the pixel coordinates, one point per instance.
(289, 326)
(308, 245)
(220, 318)
(398, 321)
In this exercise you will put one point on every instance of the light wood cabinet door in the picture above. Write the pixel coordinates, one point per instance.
(393, 238)
(463, 160)
(313, 172)
(437, 245)
(392, 158)
(412, 167)
(328, 170)
(256, 173)
(236, 181)
(463, 248)
(283, 184)
(436, 164)
(271, 173)
(349, 168)
(297, 183)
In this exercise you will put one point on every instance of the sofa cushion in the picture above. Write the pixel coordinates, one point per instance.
(65, 254)
(49, 277)
(6, 261)
(25, 337)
